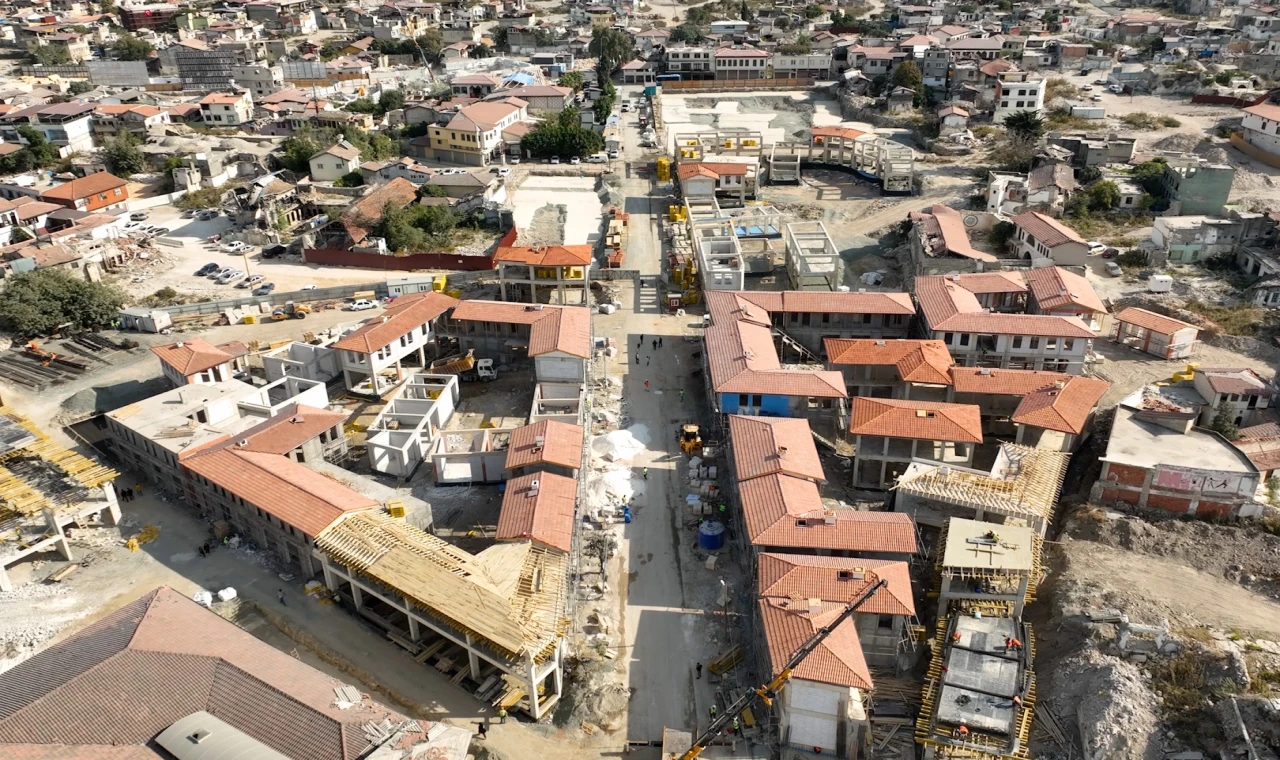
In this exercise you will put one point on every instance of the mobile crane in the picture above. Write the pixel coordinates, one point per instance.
(767, 692)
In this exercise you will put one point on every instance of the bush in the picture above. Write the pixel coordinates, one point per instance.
(37, 302)
(1001, 233)
(205, 197)
(350, 179)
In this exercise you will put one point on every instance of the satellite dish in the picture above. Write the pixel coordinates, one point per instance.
(970, 220)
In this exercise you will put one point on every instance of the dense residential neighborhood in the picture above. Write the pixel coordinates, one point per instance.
(514, 378)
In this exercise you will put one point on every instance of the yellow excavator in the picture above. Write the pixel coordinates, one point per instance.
(690, 440)
(766, 693)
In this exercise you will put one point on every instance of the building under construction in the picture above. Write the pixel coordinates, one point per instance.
(44, 488)
(872, 157)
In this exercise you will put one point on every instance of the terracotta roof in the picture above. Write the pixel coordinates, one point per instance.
(402, 316)
(946, 226)
(769, 445)
(545, 516)
(191, 356)
(1046, 229)
(949, 307)
(1158, 323)
(1056, 288)
(801, 301)
(235, 348)
(1265, 110)
(361, 216)
(805, 576)
(1243, 381)
(838, 660)
(110, 688)
(345, 152)
(849, 133)
(547, 255)
(84, 187)
(219, 98)
(484, 116)
(293, 426)
(710, 169)
(298, 496)
(952, 111)
(1259, 432)
(921, 420)
(561, 445)
(783, 511)
(742, 358)
(917, 361)
(8, 148)
(1066, 408)
(1003, 382)
(551, 328)
(985, 283)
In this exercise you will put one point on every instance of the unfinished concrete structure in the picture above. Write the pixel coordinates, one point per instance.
(471, 456)
(888, 163)
(1020, 489)
(373, 355)
(561, 402)
(719, 255)
(987, 566)
(813, 262)
(972, 681)
(305, 360)
(496, 618)
(45, 488)
(400, 437)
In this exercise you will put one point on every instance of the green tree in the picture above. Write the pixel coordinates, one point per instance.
(813, 11)
(42, 151)
(1001, 233)
(480, 51)
(1026, 125)
(432, 191)
(350, 179)
(416, 228)
(331, 49)
(51, 55)
(36, 302)
(561, 135)
(744, 11)
(499, 37)
(573, 80)
(1100, 196)
(612, 48)
(123, 157)
(431, 44)
(689, 33)
(391, 100)
(79, 87)
(380, 147)
(127, 47)
(1222, 77)
(297, 150)
(699, 15)
(908, 75)
(1150, 174)
(361, 105)
(801, 45)
(1224, 425)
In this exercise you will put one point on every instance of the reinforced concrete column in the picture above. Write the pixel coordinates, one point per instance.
(535, 705)
(61, 543)
(110, 516)
(413, 621)
(473, 659)
(329, 581)
(356, 595)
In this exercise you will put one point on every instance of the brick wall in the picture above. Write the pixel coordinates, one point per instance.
(1175, 504)
(1125, 475)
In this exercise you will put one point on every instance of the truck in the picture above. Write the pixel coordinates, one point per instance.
(482, 371)
(598, 158)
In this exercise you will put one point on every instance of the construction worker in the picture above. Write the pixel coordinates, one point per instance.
(645, 471)
(280, 595)
(698, 669)
(956, 637)
(682, 394)
(1016, 644)
(646, 386)
(712, 710)
(1008, 642)
(736, 726)
(502, 715)
(991, 535)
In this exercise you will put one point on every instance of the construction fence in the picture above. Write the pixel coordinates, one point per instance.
(339, 258)
(338, 292)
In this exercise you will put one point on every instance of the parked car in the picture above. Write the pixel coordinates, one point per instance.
(207, 270)
(626, 108)
(1087, 87)
(307, 287)
(1096, 98)
(513, 160)
(215, 274)
(230, 277)
(613, 154)
(555, 159)
(158, 231)
(1095, 247)
(131, 226)
(1111, 253)
(1113, 269)
(264, 289)
(1116, 88)
(206, 215)
(250, 281)
(1100, 81)
(575, 160)
(235, 246)
(1145, 274)
(139, 216)
(190, 213)
(363, 304)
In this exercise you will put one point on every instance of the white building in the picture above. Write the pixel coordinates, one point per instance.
(1048, 242)
(195, 361)
(1018, 91)
(371, 357)
(332, 163)
(223, 110)
(1261, 127)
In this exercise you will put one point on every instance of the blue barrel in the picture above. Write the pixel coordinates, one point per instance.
(711, 535)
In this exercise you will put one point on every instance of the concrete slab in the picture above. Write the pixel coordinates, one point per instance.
(576, 194)
(1013, 552)
(980, 680)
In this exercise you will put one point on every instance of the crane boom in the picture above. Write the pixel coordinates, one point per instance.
(767, 692)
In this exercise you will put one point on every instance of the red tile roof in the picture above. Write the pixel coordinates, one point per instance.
(1003, 382)
(1243, 381)
(546, 442)
(917, 361)
(361, 216)
(551, 328)
(838, 660)
(847, 133)
(742, 358)
(1056, 288)
(783, 511)
(84, 187)
(1066, 408)
(949, 307)
(547, 255)
(296, 495)
(945, 226)
(920, 420)
(983, 283)
(403, 315)
(801, 302)
(191, 356)
(1046, 229)
(710, 169)
(109, 689)
(1151, 321)
(293, 426)
(545, 516)
(769, 445)
(804, 576)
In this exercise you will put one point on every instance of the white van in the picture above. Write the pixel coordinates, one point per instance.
(598, 158)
